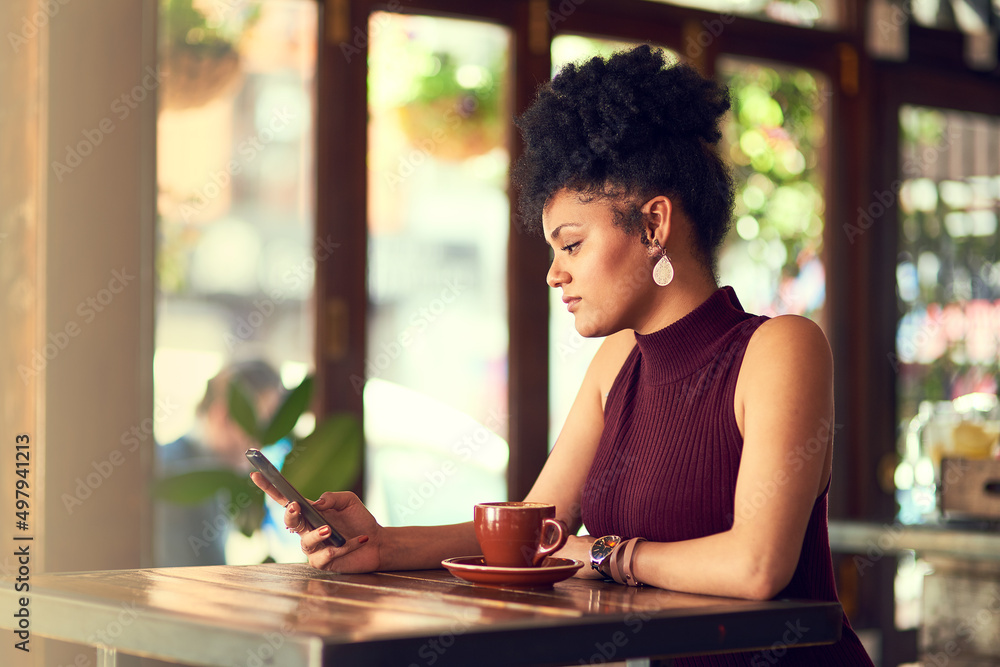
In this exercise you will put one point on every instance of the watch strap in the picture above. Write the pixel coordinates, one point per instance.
(621, 562)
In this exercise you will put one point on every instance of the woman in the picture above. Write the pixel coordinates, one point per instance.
(701, 434)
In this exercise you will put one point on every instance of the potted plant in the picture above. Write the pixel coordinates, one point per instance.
(200, 57)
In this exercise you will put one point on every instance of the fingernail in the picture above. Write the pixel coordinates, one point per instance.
(362, 539)
(324, 530)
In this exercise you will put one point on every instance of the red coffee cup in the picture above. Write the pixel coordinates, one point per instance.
(514, 534)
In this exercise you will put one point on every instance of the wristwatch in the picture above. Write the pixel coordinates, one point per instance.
(601, 550)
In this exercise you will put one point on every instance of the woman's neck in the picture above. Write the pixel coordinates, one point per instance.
(692, 286)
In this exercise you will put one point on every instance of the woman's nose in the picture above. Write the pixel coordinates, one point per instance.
(556, 276)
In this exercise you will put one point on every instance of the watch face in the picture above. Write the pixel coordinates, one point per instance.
(602, 548)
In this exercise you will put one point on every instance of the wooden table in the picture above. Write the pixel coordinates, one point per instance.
(292, 615)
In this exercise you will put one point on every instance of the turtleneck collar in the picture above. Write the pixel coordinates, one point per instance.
(683, 347)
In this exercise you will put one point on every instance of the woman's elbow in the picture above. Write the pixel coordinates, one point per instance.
(763, 580)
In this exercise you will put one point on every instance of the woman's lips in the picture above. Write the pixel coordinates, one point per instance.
(571, 302)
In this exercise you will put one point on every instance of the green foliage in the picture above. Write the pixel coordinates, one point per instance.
(776, 135)
(194, 488)
(288, 414)
(184, 27)
(328, 459)
(241, 411)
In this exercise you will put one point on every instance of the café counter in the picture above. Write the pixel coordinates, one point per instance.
(959, 604)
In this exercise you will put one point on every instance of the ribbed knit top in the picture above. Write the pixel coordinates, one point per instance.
(670, 452)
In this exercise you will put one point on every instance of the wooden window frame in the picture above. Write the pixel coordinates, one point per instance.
(341, 293)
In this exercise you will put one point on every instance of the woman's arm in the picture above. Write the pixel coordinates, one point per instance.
(784, 407)
(369, 546)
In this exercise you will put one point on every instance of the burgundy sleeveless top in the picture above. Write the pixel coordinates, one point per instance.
(670, 451)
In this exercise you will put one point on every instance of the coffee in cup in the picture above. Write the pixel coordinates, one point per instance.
(518, 534)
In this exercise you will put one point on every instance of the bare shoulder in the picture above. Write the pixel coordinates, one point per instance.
(786, 353)
(789, 339)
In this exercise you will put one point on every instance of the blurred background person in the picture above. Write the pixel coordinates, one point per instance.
(197, 534)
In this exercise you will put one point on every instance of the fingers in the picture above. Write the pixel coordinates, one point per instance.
(268, 488)
(324, 557)
(336, 500)
(293, 519)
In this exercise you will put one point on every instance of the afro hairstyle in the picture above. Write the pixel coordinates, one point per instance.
(629, 128)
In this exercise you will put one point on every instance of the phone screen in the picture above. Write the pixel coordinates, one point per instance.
(311, 515)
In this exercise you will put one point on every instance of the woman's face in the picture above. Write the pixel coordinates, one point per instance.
(603, 273)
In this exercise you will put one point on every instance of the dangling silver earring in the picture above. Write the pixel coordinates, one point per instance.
(663, 272)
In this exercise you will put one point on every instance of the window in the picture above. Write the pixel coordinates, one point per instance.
(235, 255)
(436, 391)
(775, 139)
(805, 13)
(948, 291)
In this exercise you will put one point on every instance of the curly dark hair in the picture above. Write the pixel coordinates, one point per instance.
(628, 128)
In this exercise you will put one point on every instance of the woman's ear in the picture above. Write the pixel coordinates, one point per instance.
(656, 215)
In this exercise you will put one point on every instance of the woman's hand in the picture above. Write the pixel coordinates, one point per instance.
(579, 548)
(362, 550)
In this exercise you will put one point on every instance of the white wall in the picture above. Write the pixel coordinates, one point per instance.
(76, 275)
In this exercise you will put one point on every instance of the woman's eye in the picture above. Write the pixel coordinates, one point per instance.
(571, 247)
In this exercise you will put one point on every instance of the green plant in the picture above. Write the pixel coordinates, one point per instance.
(185, 27)
(328, 459)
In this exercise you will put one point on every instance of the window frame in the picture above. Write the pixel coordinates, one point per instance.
(341, 292)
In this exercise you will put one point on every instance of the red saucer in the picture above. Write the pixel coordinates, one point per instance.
(475, 569)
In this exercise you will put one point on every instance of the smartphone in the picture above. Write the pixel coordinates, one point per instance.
(311, 515)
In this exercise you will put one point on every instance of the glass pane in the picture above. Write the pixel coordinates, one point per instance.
(436, 390)
(235, 204)
(775, 138)
(575, 48)
(969, 17)
(807, 13)
(948, 292)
